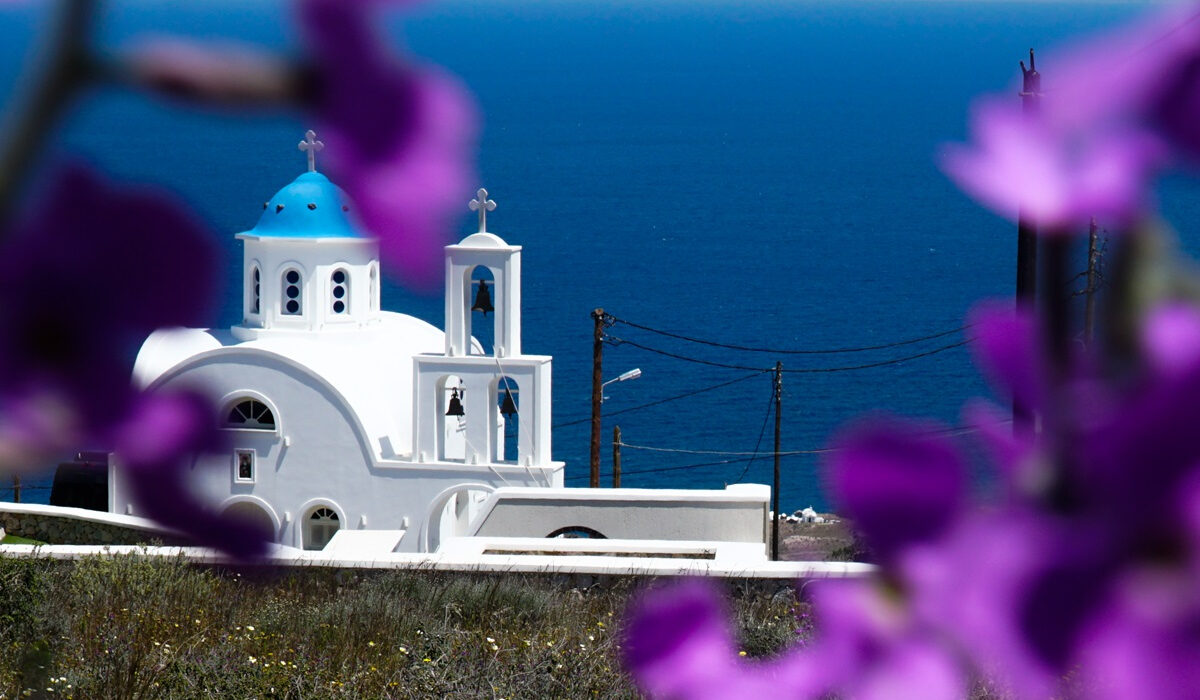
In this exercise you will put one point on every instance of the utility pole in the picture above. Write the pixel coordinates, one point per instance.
(617, 457)
(16, 489)
(1089, 309)
(597, 392)
(775, 488)
(1027, 253)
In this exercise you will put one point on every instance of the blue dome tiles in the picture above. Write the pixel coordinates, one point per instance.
(310, 207)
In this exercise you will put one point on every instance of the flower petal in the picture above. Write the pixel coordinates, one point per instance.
(898, 482)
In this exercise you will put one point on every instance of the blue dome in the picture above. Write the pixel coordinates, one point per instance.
(310, 207)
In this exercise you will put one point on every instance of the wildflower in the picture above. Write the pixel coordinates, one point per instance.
(250, 628)
(399, 136)
(1018, 163)
(253, 660)
(57, 391)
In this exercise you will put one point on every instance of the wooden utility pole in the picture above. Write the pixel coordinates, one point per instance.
(617, 457)
(597, 393)
(775, 487)
(1027, 253)
(1089, 309)
(16, 489)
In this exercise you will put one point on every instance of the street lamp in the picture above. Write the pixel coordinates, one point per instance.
(598, 398)
(631, 374)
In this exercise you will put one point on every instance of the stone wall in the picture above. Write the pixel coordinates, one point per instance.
(58, 529)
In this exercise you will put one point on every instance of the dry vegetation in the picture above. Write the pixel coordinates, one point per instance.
(131, 628)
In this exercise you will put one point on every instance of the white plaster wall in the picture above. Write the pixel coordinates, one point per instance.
(661, 514)
(316, 259)
(318, 454)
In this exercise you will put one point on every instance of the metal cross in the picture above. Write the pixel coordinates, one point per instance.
(483, 205)
(311, 145)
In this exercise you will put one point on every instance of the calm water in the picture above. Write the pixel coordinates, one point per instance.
(759, 176)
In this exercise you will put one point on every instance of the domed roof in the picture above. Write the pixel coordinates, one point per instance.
(310, 207)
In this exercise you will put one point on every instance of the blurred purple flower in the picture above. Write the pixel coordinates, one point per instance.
(1019, 163)
(400, 137)
(87, 273)
(1080, 580)
(898, 482)
(156, 445)
(1146, 75)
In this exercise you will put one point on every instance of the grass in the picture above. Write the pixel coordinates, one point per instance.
(13, 539)
(129, 627)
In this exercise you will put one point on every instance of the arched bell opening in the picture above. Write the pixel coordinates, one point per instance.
(481, 316)
(451, 418)
(505, 406)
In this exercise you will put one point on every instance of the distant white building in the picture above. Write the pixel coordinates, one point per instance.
(337, 409)
(357, 430)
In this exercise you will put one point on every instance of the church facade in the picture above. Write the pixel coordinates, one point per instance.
(342, 415)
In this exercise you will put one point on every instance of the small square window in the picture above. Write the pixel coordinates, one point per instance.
(243, 462)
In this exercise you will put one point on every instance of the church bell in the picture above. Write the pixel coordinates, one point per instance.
(483, 299)
(456, 407)
(508, 407)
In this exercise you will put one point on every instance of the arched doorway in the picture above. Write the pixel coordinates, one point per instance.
(253, 516)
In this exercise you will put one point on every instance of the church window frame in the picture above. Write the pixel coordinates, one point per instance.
(321, 522)
(255, 283)
(291, 297)
(251, 413)
(339, 292)
(245, 466)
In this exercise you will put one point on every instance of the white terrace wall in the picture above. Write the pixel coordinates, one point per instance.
(737, 514)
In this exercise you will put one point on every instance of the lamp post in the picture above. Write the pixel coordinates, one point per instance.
(597, 399)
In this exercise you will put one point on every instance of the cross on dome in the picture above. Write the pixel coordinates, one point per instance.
(311, 145)
(483, 205)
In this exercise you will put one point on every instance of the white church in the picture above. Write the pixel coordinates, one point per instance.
(364, 429)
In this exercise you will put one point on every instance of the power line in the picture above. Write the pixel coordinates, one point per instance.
(780, 351)
(669, 398)
(724, 452)
(761, 431)
(672, 469)
(952, 430)
(811, 370)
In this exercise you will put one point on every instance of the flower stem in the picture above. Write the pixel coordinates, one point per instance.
(65, 69)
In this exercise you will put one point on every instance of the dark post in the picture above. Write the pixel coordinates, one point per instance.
(1089, 309)
(16, 489)
(597, 393)
(775, 488)
(617, 457)
(1031, 93)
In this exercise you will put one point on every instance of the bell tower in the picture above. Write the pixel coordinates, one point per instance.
(470, 404)
(463, 295)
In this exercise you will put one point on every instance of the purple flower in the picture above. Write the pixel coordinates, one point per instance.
(155, 445)
(900, 484)
(400, 137)
(86, 274)
(1018, 163)
(1146, 75)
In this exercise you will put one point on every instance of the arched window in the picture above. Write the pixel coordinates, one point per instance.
(255, 290)
(292, 297)
(339, 290)
(250, 414)
(320, 527)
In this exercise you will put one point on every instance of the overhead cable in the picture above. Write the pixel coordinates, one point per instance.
(784, 351)
(807, 370)
(669, 398)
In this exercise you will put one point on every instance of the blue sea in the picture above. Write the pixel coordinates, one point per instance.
(759, 174)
